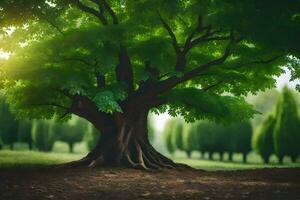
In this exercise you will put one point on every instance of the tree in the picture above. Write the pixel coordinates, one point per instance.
(177, 132)
(42, 136)
(8, 125)
(70, 132)
(241, 138)
(121, 59)
(190, 138)
(286, 133)
(24, 132)
(206, 138)
(169, 137)
(262, 140)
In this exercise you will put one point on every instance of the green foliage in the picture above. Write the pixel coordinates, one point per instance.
(92, 136)
(38, 66)
(219, 138)
(168, 136)
(195, 104)
(262, 140)
(24, 132)
(190, 138)
(241, 139)
(287, 128)
(177, 131)
(8, 124)
(71, 132)
(43, 137)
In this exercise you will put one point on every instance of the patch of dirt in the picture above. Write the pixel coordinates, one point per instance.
(114, 184)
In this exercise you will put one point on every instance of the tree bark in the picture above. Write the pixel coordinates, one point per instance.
(124, 142)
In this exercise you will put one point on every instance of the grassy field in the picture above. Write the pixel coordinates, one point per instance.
(25, 159)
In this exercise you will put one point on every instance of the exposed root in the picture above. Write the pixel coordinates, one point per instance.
(127, 152)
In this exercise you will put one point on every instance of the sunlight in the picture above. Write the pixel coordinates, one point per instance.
(4, 55)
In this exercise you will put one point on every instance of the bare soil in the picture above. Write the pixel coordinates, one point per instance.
(114, 184)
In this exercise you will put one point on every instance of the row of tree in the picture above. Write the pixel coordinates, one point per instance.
(209, 137)
(42, 134)
(279, 134)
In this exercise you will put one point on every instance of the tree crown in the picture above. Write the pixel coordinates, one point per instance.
(68, 56)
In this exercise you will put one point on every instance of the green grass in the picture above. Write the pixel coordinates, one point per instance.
(254, 162)
(27, 159)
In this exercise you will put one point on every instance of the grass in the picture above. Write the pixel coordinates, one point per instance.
(27, 159)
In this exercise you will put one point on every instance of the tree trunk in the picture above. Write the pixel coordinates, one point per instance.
(244, 157)
(30, 146)
(11, 146)
(230, 156)
(124, 142)
(266, 159)
(221, 156)
(280, 160)
(71, 147)
(294, 158)
(210, 155)
(189, 154)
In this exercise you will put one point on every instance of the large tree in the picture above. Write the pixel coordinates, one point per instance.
(112, 61)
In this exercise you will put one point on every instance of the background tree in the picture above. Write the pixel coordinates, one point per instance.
(262, 141)
(177, 132)
(241, 139)
(190, 138)
(8, 125)
(42, 136)
(206, 138)
(120, 59)
(71, 132)
(24, 132)
(287, 128)
(169, 137)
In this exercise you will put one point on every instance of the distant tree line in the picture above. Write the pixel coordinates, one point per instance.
(279, 133)
(42, 134)
(209, 137)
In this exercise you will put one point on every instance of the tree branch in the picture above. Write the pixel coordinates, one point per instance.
(111, 12)
(92, 11)
(49, 104)
(212, 86)
(76, 60)
(259, 62)
(42, 16)
(171, 34)
(124, 70)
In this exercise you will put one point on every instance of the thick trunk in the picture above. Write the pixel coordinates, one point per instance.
(124, 142)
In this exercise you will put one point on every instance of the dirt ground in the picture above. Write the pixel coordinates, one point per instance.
(114, 184)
